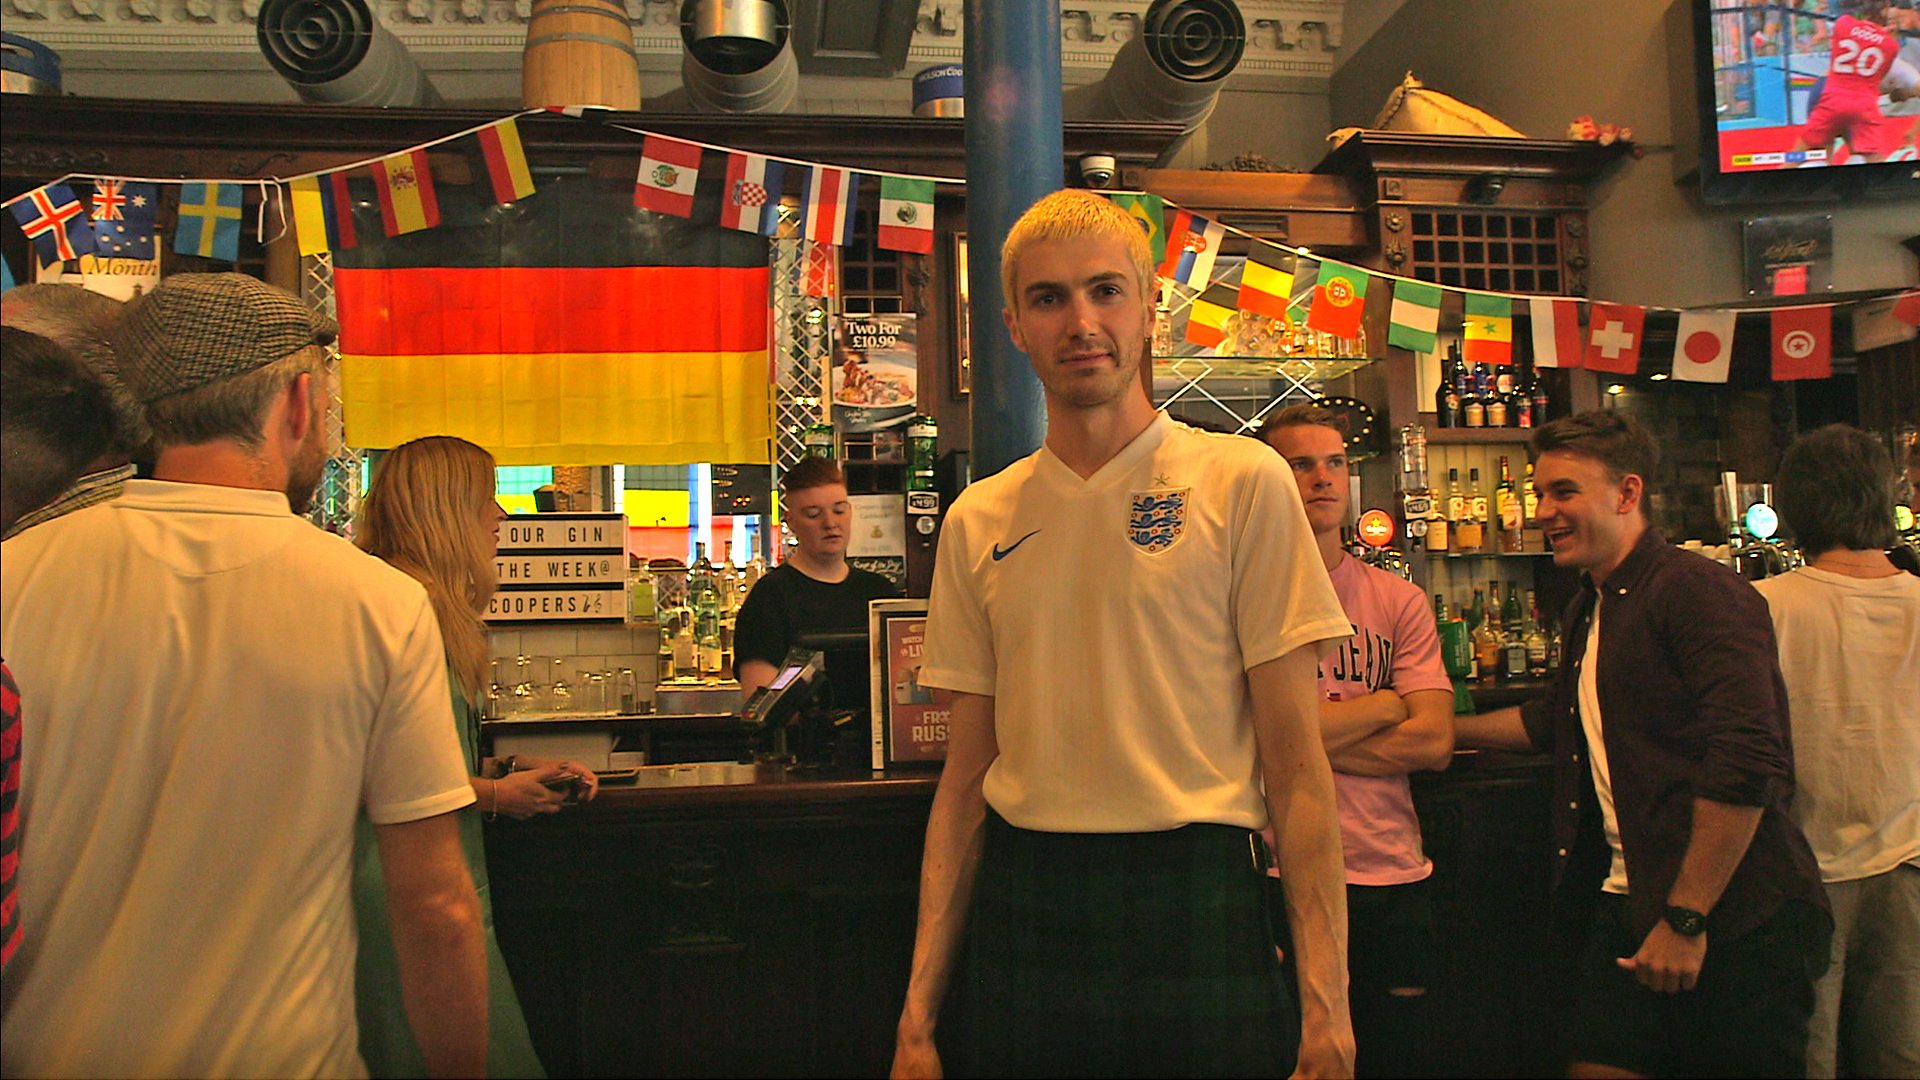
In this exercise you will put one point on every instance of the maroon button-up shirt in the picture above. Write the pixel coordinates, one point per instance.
(1691, 705)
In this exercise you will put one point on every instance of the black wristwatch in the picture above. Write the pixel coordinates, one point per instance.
(1685, 921)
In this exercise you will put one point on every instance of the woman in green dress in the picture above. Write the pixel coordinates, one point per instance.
(431, 513)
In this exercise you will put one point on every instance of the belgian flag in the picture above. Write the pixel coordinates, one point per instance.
(566, 328)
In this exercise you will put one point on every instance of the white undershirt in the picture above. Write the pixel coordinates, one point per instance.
(1589, 696)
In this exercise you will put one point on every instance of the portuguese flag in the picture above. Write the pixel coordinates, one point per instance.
(568, 328)
(1339, 299)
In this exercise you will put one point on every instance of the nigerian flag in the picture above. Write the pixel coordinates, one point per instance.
(1414, 322)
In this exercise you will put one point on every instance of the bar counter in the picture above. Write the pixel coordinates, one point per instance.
(752, 921)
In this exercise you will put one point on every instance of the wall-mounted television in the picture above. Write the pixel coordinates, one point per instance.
(1802, 99)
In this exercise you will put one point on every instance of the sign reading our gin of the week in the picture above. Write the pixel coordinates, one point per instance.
(560, 566)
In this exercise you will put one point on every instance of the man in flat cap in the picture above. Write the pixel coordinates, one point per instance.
(218, 688)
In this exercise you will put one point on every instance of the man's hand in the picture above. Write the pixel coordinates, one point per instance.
(1324, 1053)
(1668, 962)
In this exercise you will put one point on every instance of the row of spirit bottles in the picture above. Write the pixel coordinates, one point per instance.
(694, 607)
(1510, 641)
(1488, 395)
(1461, 521)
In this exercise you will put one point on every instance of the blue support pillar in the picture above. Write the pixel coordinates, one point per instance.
(1013, 158)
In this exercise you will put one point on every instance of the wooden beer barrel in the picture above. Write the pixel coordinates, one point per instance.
(579, 52)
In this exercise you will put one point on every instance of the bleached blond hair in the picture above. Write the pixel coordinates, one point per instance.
(1073, 214)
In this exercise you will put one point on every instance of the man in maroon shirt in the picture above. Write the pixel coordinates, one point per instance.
(54, 419)
(1673, 771)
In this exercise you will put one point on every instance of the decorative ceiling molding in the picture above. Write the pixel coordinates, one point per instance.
(1288, 41)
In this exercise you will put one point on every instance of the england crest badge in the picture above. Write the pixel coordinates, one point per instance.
(1157, 518)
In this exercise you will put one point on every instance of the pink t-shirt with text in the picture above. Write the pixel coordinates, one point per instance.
(1394, 646)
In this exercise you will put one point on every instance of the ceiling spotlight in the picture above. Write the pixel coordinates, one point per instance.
(1658, 376)
(1616, 389)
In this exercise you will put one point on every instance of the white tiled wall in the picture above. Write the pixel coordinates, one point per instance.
(610, 646)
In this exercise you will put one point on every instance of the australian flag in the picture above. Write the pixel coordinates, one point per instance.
(123, 219)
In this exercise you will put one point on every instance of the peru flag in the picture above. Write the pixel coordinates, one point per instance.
(751, 201)
(826, 198)
(1703, 346)
(1802, 343)
(1556, 333)
(1613, 337)
(669, 173)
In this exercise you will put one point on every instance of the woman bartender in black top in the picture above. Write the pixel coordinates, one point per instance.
(814, 590)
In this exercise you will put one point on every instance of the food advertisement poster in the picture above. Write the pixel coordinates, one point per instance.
(876, 371)
(909, 728)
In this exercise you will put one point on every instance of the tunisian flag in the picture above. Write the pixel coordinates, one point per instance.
(1802, 343)
(569, 329)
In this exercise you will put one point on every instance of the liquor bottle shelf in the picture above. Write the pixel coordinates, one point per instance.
(1480, 436)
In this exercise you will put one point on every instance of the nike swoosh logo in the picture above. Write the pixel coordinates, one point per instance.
(1002, 552)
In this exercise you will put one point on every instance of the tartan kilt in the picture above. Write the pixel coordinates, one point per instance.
(1129, 954)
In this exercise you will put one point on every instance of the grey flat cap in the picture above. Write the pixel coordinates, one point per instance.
(194, 329)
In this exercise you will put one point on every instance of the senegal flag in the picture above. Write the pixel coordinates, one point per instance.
(1487, 330)
(569, 328)
(1339, 299)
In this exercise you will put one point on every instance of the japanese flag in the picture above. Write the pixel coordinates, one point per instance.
(1703, 346)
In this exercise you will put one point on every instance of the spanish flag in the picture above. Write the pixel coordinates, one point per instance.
(407, 199)
(572, 329)
(1207, 317)
(1487, 330)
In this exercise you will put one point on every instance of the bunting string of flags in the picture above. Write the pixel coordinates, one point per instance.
(121, 218)
(1185, 247)
(119, 221)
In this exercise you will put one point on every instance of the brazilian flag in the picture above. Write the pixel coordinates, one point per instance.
(1150, 211)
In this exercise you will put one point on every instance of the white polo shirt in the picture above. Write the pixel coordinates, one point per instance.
(1113, 620)
(211, 688)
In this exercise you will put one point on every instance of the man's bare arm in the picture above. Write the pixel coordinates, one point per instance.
(1668, 961)
(1344, 724)
(956, 828)
(1500, 729)
(755, 674)
(438, 939)
(1424, 741)
(1306, 827)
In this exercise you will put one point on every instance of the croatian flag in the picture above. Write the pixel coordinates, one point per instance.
(826, 197)
(751, 201)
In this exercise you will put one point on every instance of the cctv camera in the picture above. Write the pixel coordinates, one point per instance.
(1097, 170)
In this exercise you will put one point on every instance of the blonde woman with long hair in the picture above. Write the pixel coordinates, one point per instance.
(431, 513)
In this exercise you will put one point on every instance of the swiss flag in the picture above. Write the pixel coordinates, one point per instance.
(1802, 343)
(1613, 337)
(1556, 332)
(1703, 346)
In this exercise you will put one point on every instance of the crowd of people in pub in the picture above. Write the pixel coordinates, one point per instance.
(1174, 835)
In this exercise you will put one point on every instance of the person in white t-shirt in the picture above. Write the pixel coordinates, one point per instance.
(1386, 710)
(1128, 621)
(218, 689)
(1848, 625)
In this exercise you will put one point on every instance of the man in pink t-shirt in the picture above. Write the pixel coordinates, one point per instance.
(1386, 710)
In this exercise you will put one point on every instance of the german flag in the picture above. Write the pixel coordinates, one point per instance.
(568, 329)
